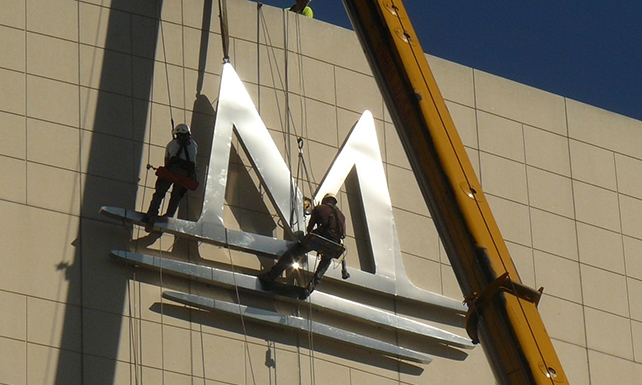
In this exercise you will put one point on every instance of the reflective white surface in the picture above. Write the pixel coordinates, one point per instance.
(360, 152)
(302, 324)
(236, 112)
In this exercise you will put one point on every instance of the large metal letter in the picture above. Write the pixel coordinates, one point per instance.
(236, 111)
(361, 151)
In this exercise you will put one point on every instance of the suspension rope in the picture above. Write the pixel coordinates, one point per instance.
(259, 6)
(310, 334)
(169, 94)
(135, 315)
(225, 34)
(299, 50)
(134, 347)
(289, 127)
(288, 123)
(301, 164)
(238, 301)
(160, 271)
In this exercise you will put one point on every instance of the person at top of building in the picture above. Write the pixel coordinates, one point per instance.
(327, 221)
(180, 158)
(302, 7)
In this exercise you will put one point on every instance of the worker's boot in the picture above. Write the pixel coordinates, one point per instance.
(152, 211)
(344, 269)
(310, 288)
(149, 219)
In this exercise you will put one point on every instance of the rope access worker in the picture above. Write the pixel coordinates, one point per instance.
(301, 7)
(327, 221)
(180, 158)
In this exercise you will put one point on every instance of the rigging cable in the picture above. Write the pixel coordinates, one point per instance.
(301, 162)
(160, 271)
(222, 4)
(289, 124)
(301, 165)
(169, 94)
(225, 34)
(135, 324)
(290, 127)
(310, 333)
(272, 62)
(238, 301)
(303, 106)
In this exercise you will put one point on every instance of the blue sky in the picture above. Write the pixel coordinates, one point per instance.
(589, 50)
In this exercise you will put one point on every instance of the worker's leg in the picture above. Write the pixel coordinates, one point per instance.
(161, 187)
(178, 193)
(284, 261)
(323, 266)
(344, 269)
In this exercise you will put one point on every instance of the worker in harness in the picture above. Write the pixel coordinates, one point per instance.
(327, 221)
(180, 158)
(302, 7)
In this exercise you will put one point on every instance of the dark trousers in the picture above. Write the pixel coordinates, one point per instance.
(161, 187)
(288, 257)
(286, 260)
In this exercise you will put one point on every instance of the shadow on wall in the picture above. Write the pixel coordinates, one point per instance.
(230, 323)
(100, 183)
(202, 124)
(114, 161)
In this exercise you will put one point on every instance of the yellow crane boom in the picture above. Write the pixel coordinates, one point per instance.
(503, 314)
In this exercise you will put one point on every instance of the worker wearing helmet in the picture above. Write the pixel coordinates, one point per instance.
(301, 7)
(327, 221)
(180, 158)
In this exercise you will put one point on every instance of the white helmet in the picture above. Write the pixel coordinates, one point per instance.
(329, 197)
(181, 129)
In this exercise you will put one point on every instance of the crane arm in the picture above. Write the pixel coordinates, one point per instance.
(503, 312)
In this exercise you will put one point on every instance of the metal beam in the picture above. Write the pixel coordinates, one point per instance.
(510, 328)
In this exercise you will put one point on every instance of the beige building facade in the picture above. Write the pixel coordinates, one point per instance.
(89, 90)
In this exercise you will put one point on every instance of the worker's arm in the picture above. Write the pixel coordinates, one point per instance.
(343, 226)
(299, 6)
(314, 218)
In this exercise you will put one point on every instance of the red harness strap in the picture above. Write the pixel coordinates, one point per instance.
(176, 178)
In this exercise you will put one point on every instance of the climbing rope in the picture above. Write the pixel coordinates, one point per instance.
(302, 169)
(225, 34)
(133, 290)
(301, 164)
(169, 94)
(238, 301)
(275, 73)
(289, 129)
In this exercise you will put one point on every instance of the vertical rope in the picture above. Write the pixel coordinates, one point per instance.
(169, 94)
(259, 5)
(238, 301)
(300, 157)
(288, 147)
(310, 334)
(225, 34)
